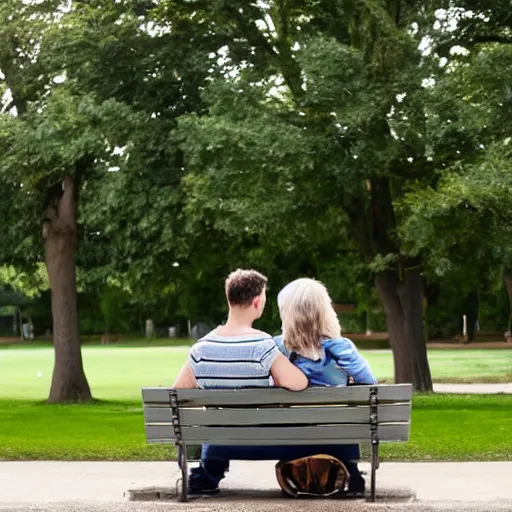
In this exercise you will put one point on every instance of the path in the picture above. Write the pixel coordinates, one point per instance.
(475, 389)
(469, 346)
(100, 486)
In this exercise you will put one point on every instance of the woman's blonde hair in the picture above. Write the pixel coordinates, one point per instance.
(308, 317)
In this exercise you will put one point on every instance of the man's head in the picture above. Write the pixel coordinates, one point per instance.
(245, 289)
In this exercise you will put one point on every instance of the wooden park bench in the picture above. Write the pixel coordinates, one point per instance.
(271, 416)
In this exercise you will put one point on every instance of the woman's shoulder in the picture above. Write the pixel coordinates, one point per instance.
(336, 344)
(340, 339)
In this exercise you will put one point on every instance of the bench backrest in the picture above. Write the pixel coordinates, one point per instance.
(270, 416)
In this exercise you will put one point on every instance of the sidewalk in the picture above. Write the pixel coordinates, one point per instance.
(40, 486)
(475, 389)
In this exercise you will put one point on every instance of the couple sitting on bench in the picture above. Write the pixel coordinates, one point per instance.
(310, 352)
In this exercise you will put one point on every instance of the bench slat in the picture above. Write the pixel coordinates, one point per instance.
(301, 415)
(324, 434)
(273, 396)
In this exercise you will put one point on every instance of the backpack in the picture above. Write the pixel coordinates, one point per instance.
(315, 476)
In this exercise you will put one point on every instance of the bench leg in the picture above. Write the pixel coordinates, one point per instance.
(182, 484)
(375, 466)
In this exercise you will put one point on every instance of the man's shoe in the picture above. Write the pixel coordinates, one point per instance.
(195, 491)
(200, 485)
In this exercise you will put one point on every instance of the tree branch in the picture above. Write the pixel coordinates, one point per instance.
(359, 225)
(288, 64)
(8, 107)
(67, 201)
(282, 58)
(443, 48)
(417, 169)
(18, 100)
(383, 215)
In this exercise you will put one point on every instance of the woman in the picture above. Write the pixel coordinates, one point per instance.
(313, 342)
(312, 337)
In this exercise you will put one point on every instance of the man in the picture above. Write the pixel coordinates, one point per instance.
(235, 355)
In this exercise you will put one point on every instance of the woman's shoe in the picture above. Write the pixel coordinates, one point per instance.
(356, 486)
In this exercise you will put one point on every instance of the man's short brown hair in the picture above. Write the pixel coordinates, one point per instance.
(242, 286)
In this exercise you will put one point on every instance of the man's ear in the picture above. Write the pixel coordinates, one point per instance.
(256, 302)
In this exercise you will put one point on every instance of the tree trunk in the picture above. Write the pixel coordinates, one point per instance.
(69, 383)
(386, 283)
(403, 305)
(411, 297)
(400, 287)
(508, 285)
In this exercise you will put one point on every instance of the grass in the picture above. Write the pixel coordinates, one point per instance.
(101, 431)
(457, 428)
(470, 365)
(114, 373)
(118, 372)
(444, 427)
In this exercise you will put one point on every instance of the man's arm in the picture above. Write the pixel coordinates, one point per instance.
(350, 360)
(287, 375)
(186, 378)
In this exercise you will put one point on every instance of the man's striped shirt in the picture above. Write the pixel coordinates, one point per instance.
(233, 361)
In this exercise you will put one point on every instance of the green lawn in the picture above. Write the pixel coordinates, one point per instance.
(118, 372)
(444, 427)
(456, 428)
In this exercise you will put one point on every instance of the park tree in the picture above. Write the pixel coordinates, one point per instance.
(463, 222)
(341, 105)
(49, 152)
(140, 223)
(59, 140)
(487, 37)
(41, 172)
(93, 91)
(134, 216)
(321, 107)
